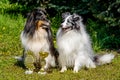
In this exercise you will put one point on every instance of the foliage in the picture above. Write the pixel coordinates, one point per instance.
(105, 20)
(13, 8)
(103, 36)
(5, 6)
(108, 12)
(55, 23)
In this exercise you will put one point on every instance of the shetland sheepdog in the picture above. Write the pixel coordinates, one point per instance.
(37, 37)
(74, 45)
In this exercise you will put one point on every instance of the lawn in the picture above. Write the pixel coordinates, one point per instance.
(10, 46)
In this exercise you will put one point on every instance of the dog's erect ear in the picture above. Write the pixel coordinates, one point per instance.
(76, 17)
(43, 10)
(30, 19)
(40, 9)
(64, 15)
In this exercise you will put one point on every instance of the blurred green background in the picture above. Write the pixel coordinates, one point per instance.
(101, 17)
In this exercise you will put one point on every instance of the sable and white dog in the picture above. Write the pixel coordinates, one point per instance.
(74, 45)
(37, 37)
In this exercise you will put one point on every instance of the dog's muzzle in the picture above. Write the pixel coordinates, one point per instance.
(66, 28)
(43, 24)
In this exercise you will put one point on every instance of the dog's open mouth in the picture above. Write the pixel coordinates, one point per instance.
(66, 29)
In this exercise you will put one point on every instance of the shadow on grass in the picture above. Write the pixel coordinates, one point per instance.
(20, 64)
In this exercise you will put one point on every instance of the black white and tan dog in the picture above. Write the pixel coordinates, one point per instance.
(74, 45)
(37, 37)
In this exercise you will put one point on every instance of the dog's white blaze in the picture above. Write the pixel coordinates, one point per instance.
(64, 24)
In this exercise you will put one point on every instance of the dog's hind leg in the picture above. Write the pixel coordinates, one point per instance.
(64, 68)
(47, 64)
(21, 58)
(37, 63)
(50, 62)
(78, 64)
(90, 63)
(24, 55)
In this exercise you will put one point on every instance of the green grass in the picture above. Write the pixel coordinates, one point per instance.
(10, 46)
(10, 28)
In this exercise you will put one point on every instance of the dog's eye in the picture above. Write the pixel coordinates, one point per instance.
(76, 19)
(68, 21)
(39, 14)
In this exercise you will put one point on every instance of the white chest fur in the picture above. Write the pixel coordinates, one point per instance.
(71, 46)
(68, 42)
(37, 43)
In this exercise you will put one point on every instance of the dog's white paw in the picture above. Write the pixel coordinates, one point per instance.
(75, 70)
(42, 69)
(19, 58)
(63, 69)
(91, 66)
(43, 73)
(45, 68)
(28, 72)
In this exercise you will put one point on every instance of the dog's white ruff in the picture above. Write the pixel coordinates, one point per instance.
(37, 43)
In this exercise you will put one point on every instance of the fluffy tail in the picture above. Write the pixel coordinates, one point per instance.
(103, 59)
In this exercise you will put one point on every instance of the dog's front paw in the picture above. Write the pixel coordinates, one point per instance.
(19, 58)
(28, 72)
(43, 73)
(46, 68)
(76, 69)
(63, 69)
(92, 65)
